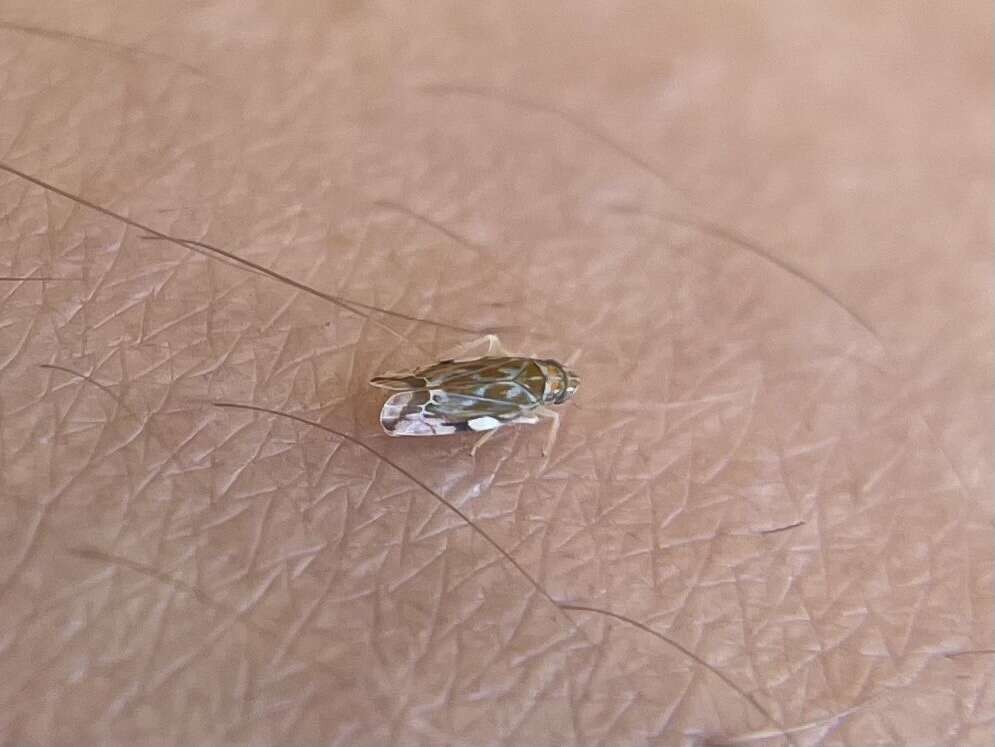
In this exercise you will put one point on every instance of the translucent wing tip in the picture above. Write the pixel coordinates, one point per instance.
(404, 415)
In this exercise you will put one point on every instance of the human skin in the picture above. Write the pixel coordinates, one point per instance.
(764, 232)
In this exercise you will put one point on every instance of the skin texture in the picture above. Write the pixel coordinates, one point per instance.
(762, 231)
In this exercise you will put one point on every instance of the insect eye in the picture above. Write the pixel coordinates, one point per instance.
(573, 381)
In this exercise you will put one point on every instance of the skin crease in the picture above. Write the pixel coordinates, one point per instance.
(763, 236)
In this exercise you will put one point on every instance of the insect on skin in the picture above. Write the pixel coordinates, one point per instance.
(476, 394)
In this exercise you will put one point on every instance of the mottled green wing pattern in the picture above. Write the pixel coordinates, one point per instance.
(451, 396)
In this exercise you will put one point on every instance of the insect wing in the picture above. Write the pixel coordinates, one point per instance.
(406, 414)
(400, 382)
(477, 395)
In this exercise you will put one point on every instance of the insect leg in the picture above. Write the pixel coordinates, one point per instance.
(546, 412)
(494, 347)
(482, 440)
